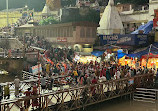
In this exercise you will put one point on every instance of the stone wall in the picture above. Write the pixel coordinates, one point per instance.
(13, 66)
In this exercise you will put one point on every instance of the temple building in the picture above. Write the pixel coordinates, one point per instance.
(110, 22)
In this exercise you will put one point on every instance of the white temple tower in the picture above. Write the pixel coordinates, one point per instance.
(110, 22)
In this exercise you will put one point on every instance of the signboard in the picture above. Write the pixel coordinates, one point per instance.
(131, 81)
(61, 39)
(36, 68)
(141, 39)
(124, 39)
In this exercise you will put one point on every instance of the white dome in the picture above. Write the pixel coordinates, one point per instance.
(110, 21)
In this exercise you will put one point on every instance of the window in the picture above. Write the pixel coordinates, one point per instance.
(82, 32)
(68, 31)
(71, 31)
(87, 46)
(61, 32)
(64, 30)
(88, 32)
(94, 34)
(58, 32)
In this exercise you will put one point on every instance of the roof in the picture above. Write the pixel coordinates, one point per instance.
(27, 25)
(147, 28)
(82, 23)
(120, 5)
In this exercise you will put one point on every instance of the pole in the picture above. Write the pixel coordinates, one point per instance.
(38, 73)
(7, 12)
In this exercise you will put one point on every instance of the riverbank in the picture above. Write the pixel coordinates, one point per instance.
(122, 104)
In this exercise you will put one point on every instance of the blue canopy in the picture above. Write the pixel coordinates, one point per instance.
(97, 53)
(146, 28)
(120, 55)
(153, 50)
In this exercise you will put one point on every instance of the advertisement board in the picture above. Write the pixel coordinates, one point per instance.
(61, 39)
(36, 68)
(124, 39)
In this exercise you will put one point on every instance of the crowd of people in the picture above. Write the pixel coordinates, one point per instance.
(9, 30)
(36, 42)
(61, 62)
(59, 68)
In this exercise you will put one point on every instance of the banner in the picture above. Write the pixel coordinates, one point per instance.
(155, 22)
(124, 39)
(131, 81)
(61, 39)
(36, 69)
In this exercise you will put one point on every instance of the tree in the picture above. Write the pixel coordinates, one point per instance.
(49, 20)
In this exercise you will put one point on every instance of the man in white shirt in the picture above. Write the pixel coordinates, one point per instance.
(117, 74)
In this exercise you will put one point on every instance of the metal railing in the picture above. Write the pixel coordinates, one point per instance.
(78, 97)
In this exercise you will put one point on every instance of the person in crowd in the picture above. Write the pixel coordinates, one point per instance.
(117, 74)
(103, 79)
(27, 102)
(51, 81)
(7, 92)
(134, 71)
(1, 93)
(17, 83)
(43, 83)
(76, 76)
(108, 76)
(93, 88)
(34, 92)
(88, 80)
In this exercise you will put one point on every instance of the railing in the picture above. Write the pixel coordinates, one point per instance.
(78, 97)
(145, 95)
(13, 55)
(27, 75)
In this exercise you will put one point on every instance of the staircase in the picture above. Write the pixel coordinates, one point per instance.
(145, 95)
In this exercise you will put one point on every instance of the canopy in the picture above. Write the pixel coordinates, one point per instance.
(131, 55)
(120, 55)
(153, 49)
(97, 53)
(146, 28)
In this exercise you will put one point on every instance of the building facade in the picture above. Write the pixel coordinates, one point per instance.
(132, 18)
(73, 35)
